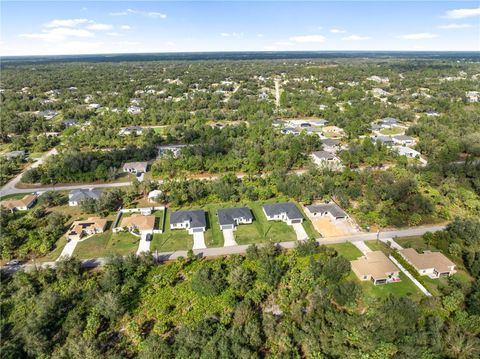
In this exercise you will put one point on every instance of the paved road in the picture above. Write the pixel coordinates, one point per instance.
(239, 249)
(9, 188)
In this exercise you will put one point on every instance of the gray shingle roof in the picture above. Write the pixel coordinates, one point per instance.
(324, 155)
(403, 138)
(78, 195)
(195, 217)
(228, 215)
(289, 208)
(330, 142)
(332, 208)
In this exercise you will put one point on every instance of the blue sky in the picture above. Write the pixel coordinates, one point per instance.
(70, 27)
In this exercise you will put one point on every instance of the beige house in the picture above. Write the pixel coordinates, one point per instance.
(143, 224)
(80, 229)
(135, 167)
(433, 264)
(375, 266)
(19, 204)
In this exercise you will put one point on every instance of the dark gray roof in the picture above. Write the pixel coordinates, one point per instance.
(78, 195)
(403, 138)
(195, 217)
(287, 207)
(332, 208)
(330, 142)
(228, 215)
(324, 154)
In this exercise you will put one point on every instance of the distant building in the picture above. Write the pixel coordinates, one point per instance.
(49, 114)
(388, 122)
(326, 159)
(23, 204)
(131, 129)
(403, 140)
(327, 209)
(433, 264)
(134, 110)
(290, 131)
(384, 140)
(406, 151)
(330, 144)
(378, 92)
(90, 226)
(193, 221)
(378, 79)
(69, 122)
(472, 96)
(230, 218)
(15, 154)
(175, 150)
(76, 196)
(135, 167)
(376, 267)
(286, 212)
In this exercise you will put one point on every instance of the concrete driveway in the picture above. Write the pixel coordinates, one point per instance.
(362, 246)
(228, 238)
(68, 249)
(144, 244)
(198, 241)
(300, 231)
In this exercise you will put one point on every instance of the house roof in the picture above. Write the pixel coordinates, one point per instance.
(195, 217)
(375, 264)
(96, 222)
(69, 121)
(324, 155)
(390, 120)
(331, 207)
(290, 209)
(137, 166)
(383, 139)
(406, 150)
(14, 154)
(403, 138)
(427, 260)
(228, 215)
(26, 201)
(142, 223)
(82, 194)
(330, 142)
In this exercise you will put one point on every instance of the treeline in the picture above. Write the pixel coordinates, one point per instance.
(77, 166)
(266, 304)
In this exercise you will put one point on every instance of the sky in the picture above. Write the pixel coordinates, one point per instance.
(93, 27)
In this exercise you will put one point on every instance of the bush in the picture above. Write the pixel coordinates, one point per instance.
(207, 281)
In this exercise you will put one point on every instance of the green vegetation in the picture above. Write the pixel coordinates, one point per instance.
(348, 250)
(405, 288)
(379, 246)
(106, 244)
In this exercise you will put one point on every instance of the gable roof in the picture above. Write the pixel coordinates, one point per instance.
(331, 207)
(375, 264)
(82, 194)
(137, 166)
(290, 209)
(324, 155)
(142, 223)
(427, 260)
(96, 222)
(403, 138)
(195, 217)
(228, 215)
(330, 142)
(26, 201)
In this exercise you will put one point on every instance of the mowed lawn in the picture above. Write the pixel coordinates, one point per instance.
(106, 244)
(348, 250)
(170, 241)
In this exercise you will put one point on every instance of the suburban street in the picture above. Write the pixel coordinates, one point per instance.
(240, 249)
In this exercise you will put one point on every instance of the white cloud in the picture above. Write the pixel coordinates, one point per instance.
(455, 26)
(307, 38)
(356, 38)
(148, 13)
(260, 35)
(101, 27)
(116, 34)
(65, 23)
(58, 34)
(125, 27)
(462, 13)
(224, 34)
(418, 36)
(337, 31)
(238, 35)
(170, 43)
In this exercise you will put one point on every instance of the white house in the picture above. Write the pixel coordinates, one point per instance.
(193, 221)
(432, 264)
(230, 218)
(331, 210)
(286, 212)
(326, 159)
(403, 140)
(406, 151)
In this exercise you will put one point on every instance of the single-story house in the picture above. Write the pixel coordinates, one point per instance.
(313, 131)
(19, 204)
(15, 154)
(290, 131)
(278, 123)
(92, 225)
(69, 122)
(384, 140)
(286, 212)
(135, 167)
(134, 110)
(327, 209)
(78, 195)
(330, 144)
(326, 159)
(193, 221)
(433, 264)
(175, 150)
(49, 114)
(403, 140)
(131, 129)
(143, 224)
(406, 151)
(472, 96)
(388, 122)
(230, 218)
(153, 195)
(375, 266)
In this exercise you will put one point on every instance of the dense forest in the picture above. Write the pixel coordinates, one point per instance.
(267, 304)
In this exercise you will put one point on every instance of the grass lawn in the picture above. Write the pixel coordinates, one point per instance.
(416, 242)
(392, 131)
(14, 196)
(308, 226)
(170, 241)
(107, 243)
(375, 245)
(348, 250)
(404, 288)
